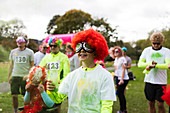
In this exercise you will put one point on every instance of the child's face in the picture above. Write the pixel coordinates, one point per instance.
(85, 56)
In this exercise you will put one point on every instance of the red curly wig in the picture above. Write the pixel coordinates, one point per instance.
(95, 39)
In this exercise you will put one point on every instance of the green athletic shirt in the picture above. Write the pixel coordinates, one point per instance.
(57, 66)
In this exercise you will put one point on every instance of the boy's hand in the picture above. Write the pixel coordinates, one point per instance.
(149, 67)
(168, 66)
(41, 88)
(50, 85)
(28, 87)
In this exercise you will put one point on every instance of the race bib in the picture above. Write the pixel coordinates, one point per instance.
(20, 59)
(53, 65)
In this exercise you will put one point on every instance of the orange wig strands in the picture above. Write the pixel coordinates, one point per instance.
(166, 96)
(95, 39)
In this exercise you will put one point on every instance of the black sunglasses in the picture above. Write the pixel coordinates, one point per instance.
(53, 46)
(116, 51)
(45, 47)
(156, 43)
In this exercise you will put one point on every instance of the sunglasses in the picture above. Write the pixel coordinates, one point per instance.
(53, 46)
(116, 51)
(154, 43)
(45, 47)
(20, 39)
(85, 46)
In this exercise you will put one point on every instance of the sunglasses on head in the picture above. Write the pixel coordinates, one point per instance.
(154, 43)
(85, 46)
(20, 39)
(53, 46)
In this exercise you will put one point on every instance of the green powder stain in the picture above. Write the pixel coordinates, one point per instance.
(156, 56)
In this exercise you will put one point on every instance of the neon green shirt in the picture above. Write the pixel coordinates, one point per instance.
(57, 66)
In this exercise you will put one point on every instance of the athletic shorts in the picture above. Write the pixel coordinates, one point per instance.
(18, 85)
(153, 92)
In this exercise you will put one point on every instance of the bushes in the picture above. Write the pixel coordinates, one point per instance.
(4, 54)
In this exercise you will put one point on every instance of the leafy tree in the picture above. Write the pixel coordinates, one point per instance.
(74, 21)
(10, 29)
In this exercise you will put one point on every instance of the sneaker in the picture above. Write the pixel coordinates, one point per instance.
(119, 111)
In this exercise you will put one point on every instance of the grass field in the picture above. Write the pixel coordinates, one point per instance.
(136, 102)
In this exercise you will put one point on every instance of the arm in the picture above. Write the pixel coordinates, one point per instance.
(55, 96)
(142, 63)
(163, 66)
(10, 71)
(123, 74)
(26, 98)
(106, 106)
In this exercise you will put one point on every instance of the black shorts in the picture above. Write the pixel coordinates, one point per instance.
(153, 92)
(18, 86)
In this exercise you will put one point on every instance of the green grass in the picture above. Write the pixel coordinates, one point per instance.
(136, 102)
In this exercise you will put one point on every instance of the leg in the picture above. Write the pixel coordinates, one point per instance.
(152, 108)
(161, 108)
(15, 102)
(59, 109)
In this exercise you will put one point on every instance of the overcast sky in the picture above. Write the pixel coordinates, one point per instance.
(135, 18)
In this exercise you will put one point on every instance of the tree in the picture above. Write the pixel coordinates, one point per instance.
(74, 21)
(10, 29)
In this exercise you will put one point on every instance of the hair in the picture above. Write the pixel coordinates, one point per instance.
(95, 39)
(119, 49)
(157, 36)
(55, 40)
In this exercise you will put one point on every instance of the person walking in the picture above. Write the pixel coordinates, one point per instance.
(73, 57)
(57, 65)
(40, 54)
(21, 61)
(155, 60)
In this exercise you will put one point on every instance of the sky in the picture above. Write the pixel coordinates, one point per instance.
(134, 18)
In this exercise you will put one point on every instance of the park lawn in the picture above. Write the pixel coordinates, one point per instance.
(136, 102)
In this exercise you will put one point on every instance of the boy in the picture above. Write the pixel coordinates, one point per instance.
(89, 88)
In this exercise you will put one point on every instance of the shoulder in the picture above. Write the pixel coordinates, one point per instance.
(63, 56)
(103, 71)
(29, 50)
(165, 49)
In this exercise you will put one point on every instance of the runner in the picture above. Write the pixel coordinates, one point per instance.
(155, 60)
(21, 61)
(89, 88)
(57, 65)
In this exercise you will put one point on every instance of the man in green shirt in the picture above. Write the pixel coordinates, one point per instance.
(57, 65)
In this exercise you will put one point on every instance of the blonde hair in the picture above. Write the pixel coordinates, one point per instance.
(157, 36)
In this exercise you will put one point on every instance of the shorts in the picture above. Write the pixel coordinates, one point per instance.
(18, 85)
(154, 92)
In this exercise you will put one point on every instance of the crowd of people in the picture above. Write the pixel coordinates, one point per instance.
(79, 75)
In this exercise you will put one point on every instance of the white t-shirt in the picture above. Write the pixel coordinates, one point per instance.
(119, 62)
(74, 62)
(38, 57)
(156, 76)
(86, 89)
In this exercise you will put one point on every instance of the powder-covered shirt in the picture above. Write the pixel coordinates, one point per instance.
(21, 61)
(119, 62)
(38, 57)
(156, 76)
(86, 89)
